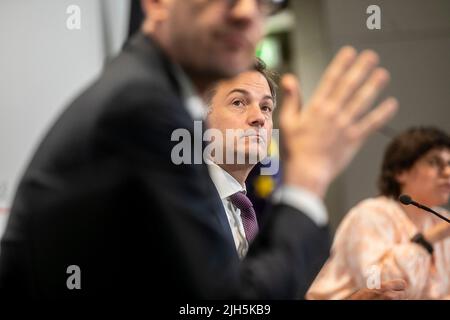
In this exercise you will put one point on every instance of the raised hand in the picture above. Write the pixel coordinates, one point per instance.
(322, 139)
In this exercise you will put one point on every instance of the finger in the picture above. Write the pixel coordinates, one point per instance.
(355, 76)
(343, 59)
(292, 99)
(365, 294)
(394, 285)
(394, 295)
(367, 94)
(374, 120)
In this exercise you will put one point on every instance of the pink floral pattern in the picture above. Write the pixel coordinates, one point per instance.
(375, 236)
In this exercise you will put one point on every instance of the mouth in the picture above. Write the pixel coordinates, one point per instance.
(254, 136)
(445, 187)
(234, 40)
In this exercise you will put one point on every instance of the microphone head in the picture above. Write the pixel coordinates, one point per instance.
(405, 199)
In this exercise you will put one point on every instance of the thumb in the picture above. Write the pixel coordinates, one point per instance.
(395, 285)
(292, 99)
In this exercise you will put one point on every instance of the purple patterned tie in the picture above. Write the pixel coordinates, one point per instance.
(248, 215)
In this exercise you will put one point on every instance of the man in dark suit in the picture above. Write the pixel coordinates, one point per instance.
(103, 193)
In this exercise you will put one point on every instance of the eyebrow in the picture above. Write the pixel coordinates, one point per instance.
(246, 93)
(436, 156)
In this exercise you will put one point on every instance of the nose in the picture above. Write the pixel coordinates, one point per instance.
(256, 117)
(446, 170)
(245, 11)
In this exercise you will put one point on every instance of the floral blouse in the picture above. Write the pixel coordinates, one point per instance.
(372, 244)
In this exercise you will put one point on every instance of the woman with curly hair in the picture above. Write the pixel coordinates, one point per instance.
(380, 239)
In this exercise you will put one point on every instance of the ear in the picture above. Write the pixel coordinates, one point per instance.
(401, 176)
(155, 10)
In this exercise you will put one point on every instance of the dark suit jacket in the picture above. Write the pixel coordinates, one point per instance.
(102, 193)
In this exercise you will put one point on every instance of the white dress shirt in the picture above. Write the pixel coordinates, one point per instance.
(226, 186)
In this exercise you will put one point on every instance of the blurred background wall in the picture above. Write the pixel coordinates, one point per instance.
(413, 44)
(44, 65)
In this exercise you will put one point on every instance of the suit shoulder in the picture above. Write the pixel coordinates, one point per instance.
(126, 85)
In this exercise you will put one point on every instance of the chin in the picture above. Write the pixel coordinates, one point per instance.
(234, 64)
(249, 158)
(257, 157)
(437, 201)
(220, 72)
(444, 200)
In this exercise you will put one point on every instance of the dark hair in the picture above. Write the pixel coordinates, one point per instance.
(259, 66)
(403, 152)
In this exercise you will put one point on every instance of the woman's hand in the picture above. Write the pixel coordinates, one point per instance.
(438, 232)
(389, 290)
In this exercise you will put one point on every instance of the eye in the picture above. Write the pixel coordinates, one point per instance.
(237, 103)
(435, 162)
(266, 108)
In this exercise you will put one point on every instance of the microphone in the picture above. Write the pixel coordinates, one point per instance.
(406, 200)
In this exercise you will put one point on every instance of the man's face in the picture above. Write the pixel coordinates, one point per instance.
(212, 38)
(245, 105)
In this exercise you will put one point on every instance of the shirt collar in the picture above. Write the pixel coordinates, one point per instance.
(225, 184)
(194, 104)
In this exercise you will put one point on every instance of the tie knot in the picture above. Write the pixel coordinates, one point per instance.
(241, 201)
